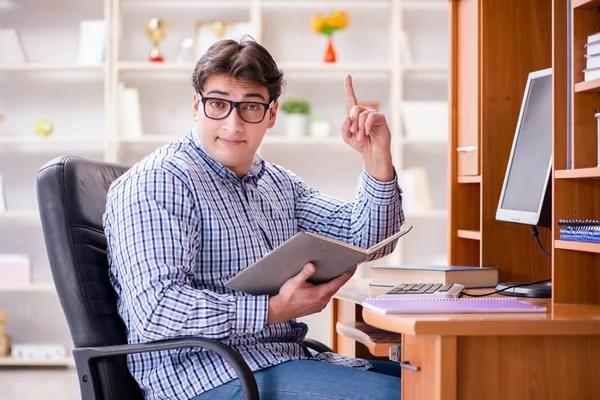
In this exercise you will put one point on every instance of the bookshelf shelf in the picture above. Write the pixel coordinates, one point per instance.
(426, 68)
(20, 215)
(40, 67)
(184, 5)
(33, 287)
(577, 246)
(578, 173)
(468, 234)
(469, 179)
(588, 86)
(15, 362)
(586, 3)
(312, 5)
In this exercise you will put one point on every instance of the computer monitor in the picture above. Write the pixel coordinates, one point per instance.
(526, 192)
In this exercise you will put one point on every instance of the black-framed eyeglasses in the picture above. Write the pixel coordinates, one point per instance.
(250, 111)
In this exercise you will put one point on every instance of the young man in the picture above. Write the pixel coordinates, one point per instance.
(194, 213)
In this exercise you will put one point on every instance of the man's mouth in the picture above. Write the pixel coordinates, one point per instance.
(230, 142)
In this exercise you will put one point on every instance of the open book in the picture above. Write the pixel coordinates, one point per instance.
(331, 257)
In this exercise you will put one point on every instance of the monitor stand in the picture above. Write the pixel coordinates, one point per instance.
(540, 290)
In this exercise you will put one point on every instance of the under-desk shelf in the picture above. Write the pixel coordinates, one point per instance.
(469, 179)
(376, 340)
(468, 234)
(578, 173)
(577, 246)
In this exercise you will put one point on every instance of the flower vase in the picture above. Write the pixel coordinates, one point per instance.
(330, 56)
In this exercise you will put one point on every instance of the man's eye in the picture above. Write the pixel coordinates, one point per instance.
(217, 104)
(252, 106)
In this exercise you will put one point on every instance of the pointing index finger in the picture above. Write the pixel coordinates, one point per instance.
(350, 96)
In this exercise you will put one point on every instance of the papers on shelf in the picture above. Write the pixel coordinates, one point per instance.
(130, 116)
(92, 42)
(425, 119)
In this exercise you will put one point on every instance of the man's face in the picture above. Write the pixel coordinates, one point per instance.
(232, 141)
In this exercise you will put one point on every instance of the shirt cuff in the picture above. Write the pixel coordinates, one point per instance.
(251, 313)
(380, 193)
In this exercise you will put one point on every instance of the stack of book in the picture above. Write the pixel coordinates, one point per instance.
(580, 230)
(469, 276)
(592, 58)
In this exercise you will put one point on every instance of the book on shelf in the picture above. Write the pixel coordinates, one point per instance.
(591, 74)
(332, 258)
(130, 115)
(460, 305)
(416, 192)
(469, 276)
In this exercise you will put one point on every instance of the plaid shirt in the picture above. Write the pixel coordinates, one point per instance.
(179, 225)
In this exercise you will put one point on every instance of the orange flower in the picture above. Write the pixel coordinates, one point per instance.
(327, 25)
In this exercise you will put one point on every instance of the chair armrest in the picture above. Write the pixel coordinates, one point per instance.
(84, 355)
(318, 346)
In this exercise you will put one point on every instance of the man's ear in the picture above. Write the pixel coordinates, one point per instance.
(195, 106)
(273, 114)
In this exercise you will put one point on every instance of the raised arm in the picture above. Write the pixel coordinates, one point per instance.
(153, 236)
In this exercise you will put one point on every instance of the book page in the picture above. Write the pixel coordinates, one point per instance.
(370, 250)
(384, 242)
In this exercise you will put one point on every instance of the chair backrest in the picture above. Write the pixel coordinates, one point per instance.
(71, 199)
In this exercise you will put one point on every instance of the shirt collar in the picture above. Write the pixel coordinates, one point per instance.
(254, 173)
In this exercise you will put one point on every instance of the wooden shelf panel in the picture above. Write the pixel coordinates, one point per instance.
(577, 246)
(578, 173)
(468, 234)
(376, 340)
(586, 3)
(588, 86)
(469, 179)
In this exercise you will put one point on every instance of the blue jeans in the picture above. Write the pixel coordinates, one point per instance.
(315, 380)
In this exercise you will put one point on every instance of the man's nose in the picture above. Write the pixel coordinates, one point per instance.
(234, 122)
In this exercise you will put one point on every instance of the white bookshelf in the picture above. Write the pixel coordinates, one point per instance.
(81, 99)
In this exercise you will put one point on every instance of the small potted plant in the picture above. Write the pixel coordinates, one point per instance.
(296, 117)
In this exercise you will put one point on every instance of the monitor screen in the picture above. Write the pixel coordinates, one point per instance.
(530, 162)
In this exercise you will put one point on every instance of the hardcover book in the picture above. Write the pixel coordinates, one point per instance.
(331, 257)
(469, 276)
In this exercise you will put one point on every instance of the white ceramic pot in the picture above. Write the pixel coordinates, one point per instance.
(296, 125)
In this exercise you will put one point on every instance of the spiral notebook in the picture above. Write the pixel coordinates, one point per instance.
(450, 305)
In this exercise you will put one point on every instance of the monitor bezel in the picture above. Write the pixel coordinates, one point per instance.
(518, 216)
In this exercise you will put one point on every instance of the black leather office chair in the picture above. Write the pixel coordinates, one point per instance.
(71, 197)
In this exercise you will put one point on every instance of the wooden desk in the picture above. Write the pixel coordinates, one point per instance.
(552, 356)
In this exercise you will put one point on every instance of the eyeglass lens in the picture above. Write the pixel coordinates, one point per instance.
(249, 111)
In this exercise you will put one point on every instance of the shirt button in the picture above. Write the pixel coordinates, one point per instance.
(250, 328)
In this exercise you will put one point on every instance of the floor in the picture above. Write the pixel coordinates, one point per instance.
(36, 384)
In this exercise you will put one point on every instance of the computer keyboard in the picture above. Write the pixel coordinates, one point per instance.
(425, 290)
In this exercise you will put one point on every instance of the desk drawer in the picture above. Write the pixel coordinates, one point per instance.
(435, 359)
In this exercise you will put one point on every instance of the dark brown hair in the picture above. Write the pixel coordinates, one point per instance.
(246, 60)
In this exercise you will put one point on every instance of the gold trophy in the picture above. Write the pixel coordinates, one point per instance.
(156, 29)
